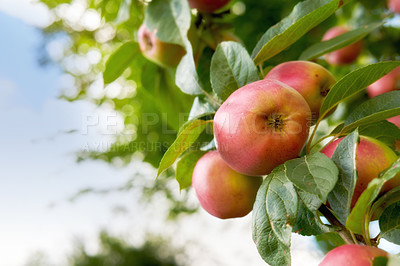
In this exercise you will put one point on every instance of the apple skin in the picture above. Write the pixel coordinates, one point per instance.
(260, 126)
(207, 6)
(385, 84)
(372, 157)
(345, 55)
(161, 53)
(311, 80)
(356, 255)
(394, 6)
(222, 191)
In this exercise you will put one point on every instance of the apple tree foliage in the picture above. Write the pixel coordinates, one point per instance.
(171, 110)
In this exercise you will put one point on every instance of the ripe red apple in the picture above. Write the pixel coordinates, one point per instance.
(222, 191)
(385, 84)
(207, 6)
(311, 80)
(345, 55)
(372, 157)
(355, 255)
(161, 53)
(394, 6)
(260, 126)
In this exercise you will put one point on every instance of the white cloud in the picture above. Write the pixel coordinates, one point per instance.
(33, 13)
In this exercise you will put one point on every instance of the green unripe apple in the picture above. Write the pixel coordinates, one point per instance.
(222, 191)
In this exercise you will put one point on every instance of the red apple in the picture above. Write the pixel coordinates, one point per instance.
(345, 55)
(222, 191)
(161, 53)
(372, 157)
(311, 80)
(207, 6)
(394, 6)
(385, 84)
(352, 255)
(260, 126)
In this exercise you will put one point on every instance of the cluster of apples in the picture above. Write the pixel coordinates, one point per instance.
(267, 122)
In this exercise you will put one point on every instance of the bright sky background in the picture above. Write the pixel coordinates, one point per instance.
(38, 168)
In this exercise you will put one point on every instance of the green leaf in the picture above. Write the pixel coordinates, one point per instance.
(338, 42)
(170, 19)
(185, 167)
(383, 131)
(120, 60)
(385, 200)
(200, 107)
(231, 68)
(354, 82)
(389, 223)
(186, 137)
(356, 219)
(345, 159)
(308, 222)
(186, 77)
(315, 174)
(374, 110)
(274, 214)
(305, 16)
(380, 261)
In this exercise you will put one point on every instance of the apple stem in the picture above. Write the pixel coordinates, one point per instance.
(345, 234)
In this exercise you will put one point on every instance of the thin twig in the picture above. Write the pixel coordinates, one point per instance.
(343, 232)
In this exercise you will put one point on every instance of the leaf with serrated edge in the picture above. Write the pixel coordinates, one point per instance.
(354, 82)
(356, 219)
(186, 137)
(185, 167)
(315, 174)
(305, 16)
(345, 159)
(119, 61)
(374, 110)
(231, 69)
(389, 223)
(338, 42)
(170, 19)
(274, 214)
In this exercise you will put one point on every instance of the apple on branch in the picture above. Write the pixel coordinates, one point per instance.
(222, 191)
(356, 255)
(372, 157)
(345, 55)
(157, 51)
(311, 80)
(261, 126)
